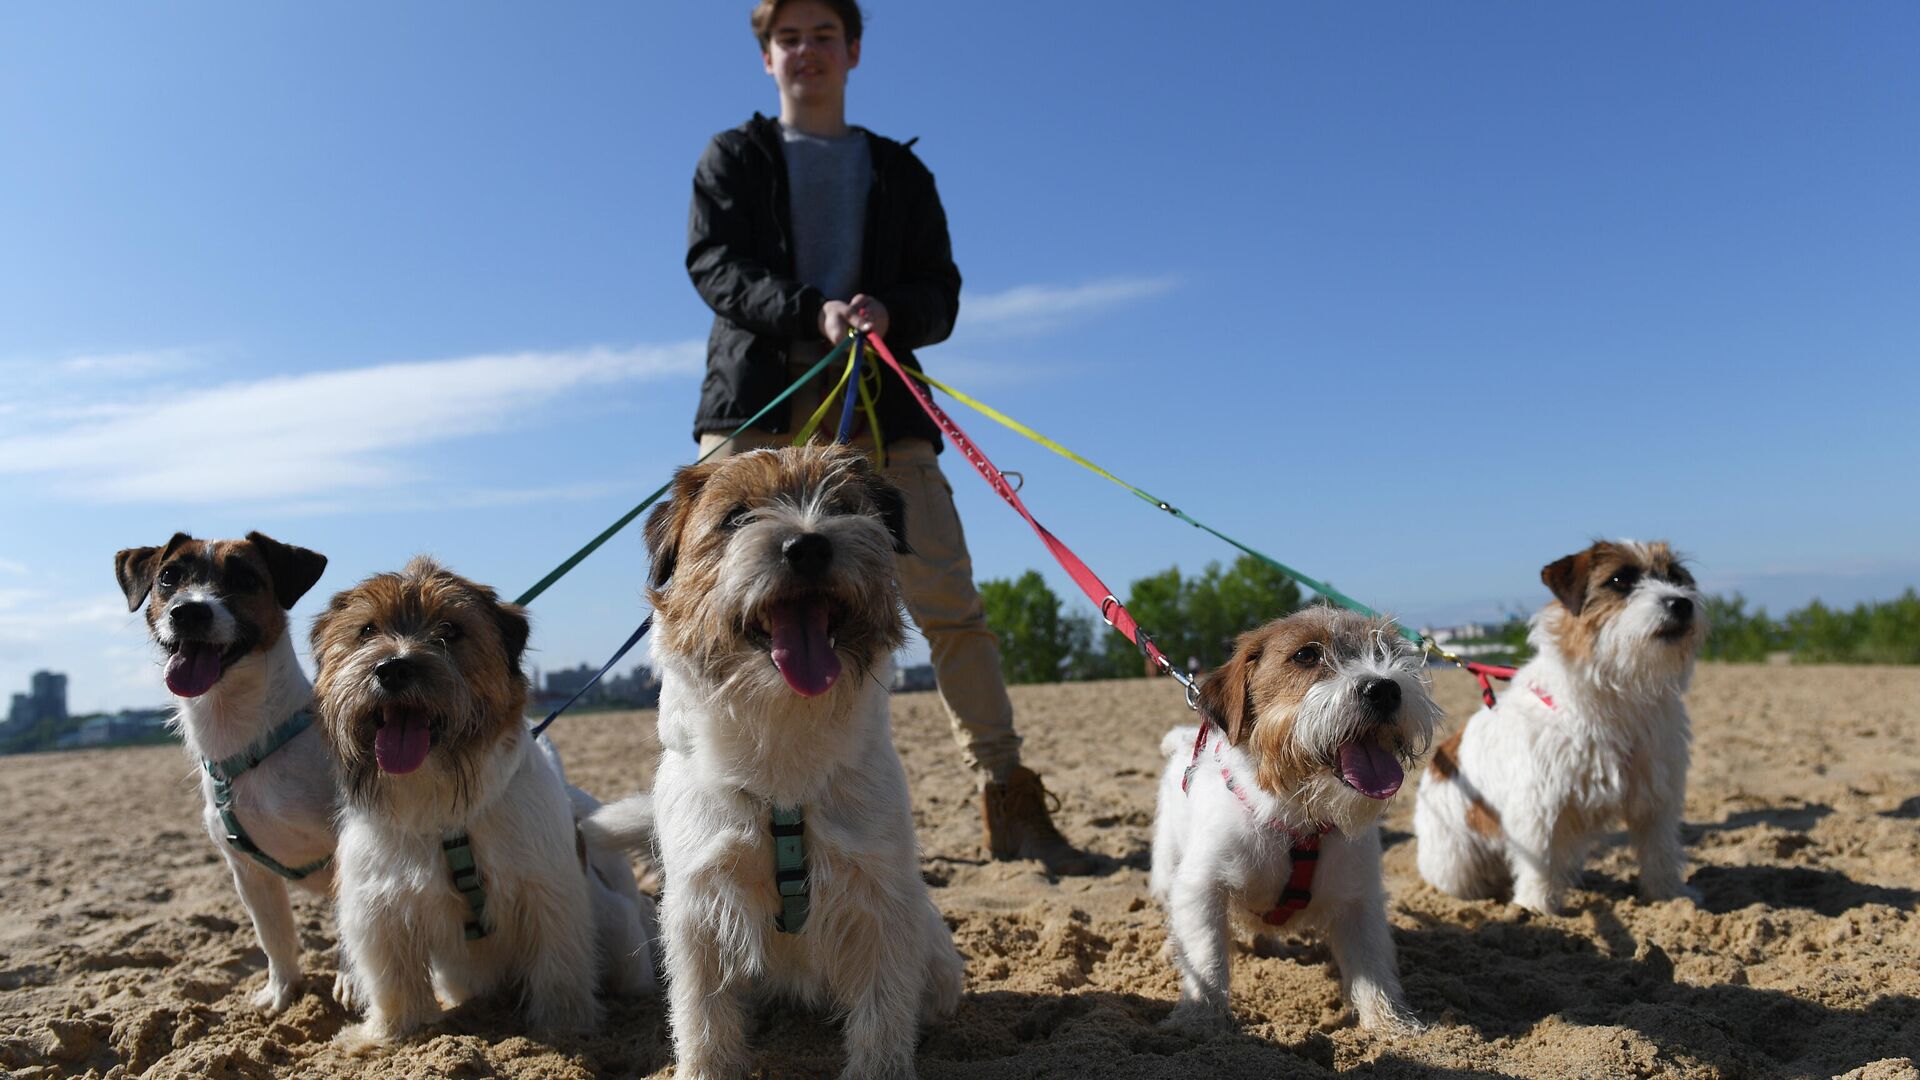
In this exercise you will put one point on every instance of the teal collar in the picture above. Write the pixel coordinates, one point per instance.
(790, 868)
(225, 771)
(466, 878)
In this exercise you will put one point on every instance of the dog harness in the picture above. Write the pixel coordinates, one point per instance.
(1303, 856)
(789, 830)
(466, 878)
(225, 771)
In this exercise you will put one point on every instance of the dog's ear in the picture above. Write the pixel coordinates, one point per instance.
(133, 568)
(1226, 697)
(1567, 578)
(294, 569)
(669, 519)
(515, 628)
(317, 634)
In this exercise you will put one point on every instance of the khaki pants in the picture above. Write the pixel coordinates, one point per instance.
(938, 582)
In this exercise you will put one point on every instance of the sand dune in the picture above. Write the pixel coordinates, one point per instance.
(124, 952)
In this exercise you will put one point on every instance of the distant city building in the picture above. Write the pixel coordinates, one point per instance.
(1470, 639)
(47, 700)
(913, 677)
(637, 689)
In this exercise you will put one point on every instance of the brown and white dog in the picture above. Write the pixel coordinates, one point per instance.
(776, 615)
(1321, 711)
(421, 698)
(219, 611)
(1593, 730)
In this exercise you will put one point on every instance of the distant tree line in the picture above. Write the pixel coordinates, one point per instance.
(1882, 632)
(1193, 620)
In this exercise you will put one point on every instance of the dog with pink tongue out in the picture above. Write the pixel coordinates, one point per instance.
(461, 866)
(783, 819)
(1269, 819)
(218, 609)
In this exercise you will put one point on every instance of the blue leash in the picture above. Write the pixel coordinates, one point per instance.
(853, 390)
(646, 624)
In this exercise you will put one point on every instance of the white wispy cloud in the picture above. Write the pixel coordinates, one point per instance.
(316, 433)
(134, 364)
(9, 566)
(1028, 308)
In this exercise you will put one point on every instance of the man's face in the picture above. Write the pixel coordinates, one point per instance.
(808, 54)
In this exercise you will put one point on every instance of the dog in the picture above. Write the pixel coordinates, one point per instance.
(776, 616)
(1594, 730)
(219, 612)
(461, 869)
(1310, 727)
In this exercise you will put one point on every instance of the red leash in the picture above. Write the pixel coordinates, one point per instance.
(1111, 609)
(1484, 674)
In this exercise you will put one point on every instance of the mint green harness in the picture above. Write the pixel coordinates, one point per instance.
(225, 771)
(790, 868)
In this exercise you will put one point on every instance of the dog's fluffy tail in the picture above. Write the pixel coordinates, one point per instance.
(626, 825)
(1179, 741)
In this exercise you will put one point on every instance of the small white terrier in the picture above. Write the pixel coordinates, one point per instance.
(219, 611)
(784, 822)
(1592, 731)
(1271, 815)
(461, 867)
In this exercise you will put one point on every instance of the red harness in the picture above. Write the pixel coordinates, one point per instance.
(1304, 854)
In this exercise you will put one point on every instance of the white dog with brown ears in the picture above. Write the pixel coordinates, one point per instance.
(1271, 816)
(784, 822)
(1593, 730)
(461, 868)
(219, 610)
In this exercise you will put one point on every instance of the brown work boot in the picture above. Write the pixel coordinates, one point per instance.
(1017, 825)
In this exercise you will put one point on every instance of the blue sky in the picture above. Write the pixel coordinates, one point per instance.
(1415, 298)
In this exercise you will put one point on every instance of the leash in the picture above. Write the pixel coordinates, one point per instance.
(1112, 611)
(225, 771)
(646, 624)
(593, 545)
(1482, 673)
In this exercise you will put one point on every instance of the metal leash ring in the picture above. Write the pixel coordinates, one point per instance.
(1106, 605)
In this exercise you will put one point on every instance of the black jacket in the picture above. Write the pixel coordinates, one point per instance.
(740, 256)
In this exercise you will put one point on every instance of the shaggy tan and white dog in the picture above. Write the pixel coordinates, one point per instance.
(219, 611)
(1593, 731)
(776, 617)
(1271, 817)
(460, 866)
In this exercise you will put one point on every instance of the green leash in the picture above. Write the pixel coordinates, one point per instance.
(466, 878)
(225, 771)
(789, 830)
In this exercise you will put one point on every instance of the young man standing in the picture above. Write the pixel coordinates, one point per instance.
(802, 228)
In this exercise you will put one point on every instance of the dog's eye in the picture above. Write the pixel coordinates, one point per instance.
(1308, 656)
(1624, 579)
(169, 578)
(1679, 576)
(368, 631)
(736, 517)
(446, 633)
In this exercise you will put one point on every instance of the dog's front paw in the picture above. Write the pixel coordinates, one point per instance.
(365, 1037)
(1198, 1018)
(274, 998)
(1390, 1018)
(343, 991)
(1538, 898)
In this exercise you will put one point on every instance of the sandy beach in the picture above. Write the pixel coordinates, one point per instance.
(125, 952)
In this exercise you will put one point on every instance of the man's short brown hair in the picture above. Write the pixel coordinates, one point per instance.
(766, 11)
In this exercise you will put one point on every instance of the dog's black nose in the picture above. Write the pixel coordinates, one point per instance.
(808, 554)
(1680, 608)
(1383, 695)
(393, 673)
(191, 617)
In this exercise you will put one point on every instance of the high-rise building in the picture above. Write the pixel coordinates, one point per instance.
(50, 695)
